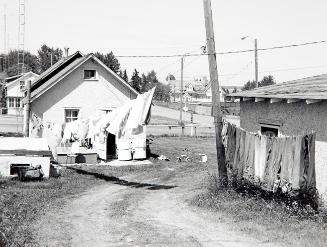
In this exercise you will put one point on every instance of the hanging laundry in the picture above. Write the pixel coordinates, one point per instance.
(285, 164)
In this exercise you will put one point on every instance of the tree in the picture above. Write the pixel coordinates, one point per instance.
(267, 80)
(162, 92)
(31, 62)
(170, 77)
(125, 77)
(249, 85)
(44, 55)
(109, 60)
(145, 83)
(136, 81)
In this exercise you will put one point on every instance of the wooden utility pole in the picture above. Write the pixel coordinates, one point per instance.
(181, 105)
(216, 109)
(256, 61)
(27, 109)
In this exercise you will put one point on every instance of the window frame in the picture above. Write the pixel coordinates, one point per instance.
(272, 126)
(91, 78)
(71, 117)
(22, 85)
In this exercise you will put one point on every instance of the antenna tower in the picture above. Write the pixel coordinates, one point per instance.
(21, 36)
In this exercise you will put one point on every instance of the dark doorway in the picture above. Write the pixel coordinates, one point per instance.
(269, 131)
(111, 146)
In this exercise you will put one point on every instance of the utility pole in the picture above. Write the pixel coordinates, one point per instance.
(256, 61)
(216, 110)
(181, 95)
(27, 109)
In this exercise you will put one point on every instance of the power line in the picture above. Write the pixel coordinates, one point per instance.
(223, 53)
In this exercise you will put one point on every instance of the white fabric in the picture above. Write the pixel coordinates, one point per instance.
(52, 133)
(260, 145)
(130, 118)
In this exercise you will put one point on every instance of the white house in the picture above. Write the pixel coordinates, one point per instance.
(14, 92)
(78, 87)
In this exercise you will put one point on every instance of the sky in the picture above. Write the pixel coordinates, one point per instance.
(168, 27)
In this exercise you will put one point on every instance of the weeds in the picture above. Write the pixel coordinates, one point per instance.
(287, 219)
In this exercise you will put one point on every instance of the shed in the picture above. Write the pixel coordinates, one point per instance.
(289, 108)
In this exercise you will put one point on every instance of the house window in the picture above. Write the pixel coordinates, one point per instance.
(21, 85)
(71, 115)
(17, 102)
(90, 74)
(271, 131)
(11, 102)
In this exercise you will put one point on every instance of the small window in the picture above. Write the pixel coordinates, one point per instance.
(269, 131)
(89, 74)
(21, 85)
(71, 115)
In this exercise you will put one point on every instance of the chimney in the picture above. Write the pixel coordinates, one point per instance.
(66, 51)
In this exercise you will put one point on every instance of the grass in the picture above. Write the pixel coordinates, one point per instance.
(271, 219)
(21, 203)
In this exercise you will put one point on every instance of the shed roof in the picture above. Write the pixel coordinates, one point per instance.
(314, 88)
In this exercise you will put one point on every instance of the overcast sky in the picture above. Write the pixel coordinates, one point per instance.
(166, 27)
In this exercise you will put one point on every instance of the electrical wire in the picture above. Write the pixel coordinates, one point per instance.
(223, 53)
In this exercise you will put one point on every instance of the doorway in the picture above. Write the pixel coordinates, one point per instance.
(111, 146)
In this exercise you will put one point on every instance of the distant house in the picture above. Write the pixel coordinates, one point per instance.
(75, 87)
(14, 94)
(289, 108)
(194, 88)
(223, 92)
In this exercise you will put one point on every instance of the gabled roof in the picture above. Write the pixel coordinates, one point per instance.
(19, 78)
(307, 88)
(56, 68)
(63, 69)
(13, 78)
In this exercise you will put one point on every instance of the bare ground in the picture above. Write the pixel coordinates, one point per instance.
(146, 206)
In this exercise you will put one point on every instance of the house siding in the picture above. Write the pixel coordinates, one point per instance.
(294, 119)
(86, 95)
(13, 91)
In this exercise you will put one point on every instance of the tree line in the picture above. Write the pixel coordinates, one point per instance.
(40, 62)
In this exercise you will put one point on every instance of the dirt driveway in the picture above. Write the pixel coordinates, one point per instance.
(146, 207)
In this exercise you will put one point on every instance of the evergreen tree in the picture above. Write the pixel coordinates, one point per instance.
(136, 81)
(109, 60)
(125, 77)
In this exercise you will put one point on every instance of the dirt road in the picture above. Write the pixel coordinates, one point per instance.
(145, 206)
(113, 215)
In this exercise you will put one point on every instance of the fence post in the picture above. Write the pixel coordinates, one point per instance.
(183, 130)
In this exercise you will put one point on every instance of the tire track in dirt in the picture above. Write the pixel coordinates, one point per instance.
(115, 215)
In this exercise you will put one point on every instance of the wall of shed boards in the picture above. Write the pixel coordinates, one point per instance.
(73, 92)
(294, 118)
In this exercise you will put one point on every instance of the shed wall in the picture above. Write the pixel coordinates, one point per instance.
(294, 118)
